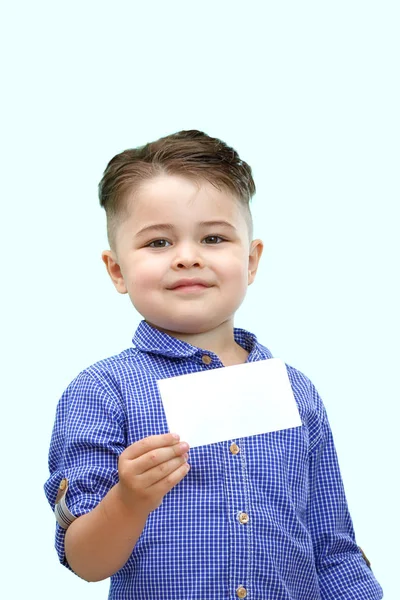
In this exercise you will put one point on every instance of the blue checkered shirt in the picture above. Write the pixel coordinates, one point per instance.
(263, 517)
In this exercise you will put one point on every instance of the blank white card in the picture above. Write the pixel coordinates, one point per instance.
(230, 402)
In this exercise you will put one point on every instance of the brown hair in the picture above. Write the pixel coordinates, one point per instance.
(191, 154)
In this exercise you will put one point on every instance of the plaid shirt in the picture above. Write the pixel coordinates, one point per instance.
(263, 517)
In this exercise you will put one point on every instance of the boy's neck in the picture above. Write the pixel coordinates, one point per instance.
(220, 341)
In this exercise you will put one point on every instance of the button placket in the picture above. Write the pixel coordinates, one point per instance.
(237, 490)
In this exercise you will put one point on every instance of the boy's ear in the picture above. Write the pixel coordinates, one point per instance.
(114, 271)
(256, 249)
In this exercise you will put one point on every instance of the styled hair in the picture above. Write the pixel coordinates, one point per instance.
(192, 154)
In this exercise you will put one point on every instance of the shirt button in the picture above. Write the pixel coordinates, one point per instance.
(241, 592)
(207, 360)
(234, 449)
(243, 518)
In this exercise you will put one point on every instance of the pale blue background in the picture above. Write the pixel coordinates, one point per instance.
(308, 93)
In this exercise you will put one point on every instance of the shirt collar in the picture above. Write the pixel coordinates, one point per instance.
(149, 339)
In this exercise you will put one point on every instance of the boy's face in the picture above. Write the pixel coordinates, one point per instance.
(183, 255)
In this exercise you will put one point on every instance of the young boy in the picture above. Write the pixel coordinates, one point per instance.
(260, 517)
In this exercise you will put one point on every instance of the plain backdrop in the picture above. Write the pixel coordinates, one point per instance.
(308, 94)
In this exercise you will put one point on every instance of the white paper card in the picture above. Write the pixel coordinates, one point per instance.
(230, 402)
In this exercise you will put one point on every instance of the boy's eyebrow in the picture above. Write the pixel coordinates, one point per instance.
(158, 226)
(217, 224)
(170, 227)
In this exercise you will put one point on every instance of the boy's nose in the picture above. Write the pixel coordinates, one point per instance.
(187, 257)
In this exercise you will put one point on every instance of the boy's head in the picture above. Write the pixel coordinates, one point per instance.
(180, 230)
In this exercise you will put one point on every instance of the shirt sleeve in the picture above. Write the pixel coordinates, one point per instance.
(342, 571)
(87, 439)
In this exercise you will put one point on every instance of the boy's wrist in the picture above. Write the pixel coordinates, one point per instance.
(125, 505)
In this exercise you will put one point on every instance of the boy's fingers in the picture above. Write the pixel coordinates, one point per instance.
(162, 472)
(166, 484)
(157, 458)
(150, 443)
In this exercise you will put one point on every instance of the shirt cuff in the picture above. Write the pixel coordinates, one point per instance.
(63, 515)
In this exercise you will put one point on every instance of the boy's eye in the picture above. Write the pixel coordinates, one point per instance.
(213, 239)
(159, 244)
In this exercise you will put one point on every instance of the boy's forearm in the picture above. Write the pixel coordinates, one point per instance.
(99, 543)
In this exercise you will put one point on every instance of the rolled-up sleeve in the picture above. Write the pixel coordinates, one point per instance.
(87, 439)
(342, 571)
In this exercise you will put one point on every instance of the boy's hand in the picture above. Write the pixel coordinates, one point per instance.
(150, 468)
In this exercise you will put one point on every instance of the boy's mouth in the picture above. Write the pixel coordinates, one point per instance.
(194, 283)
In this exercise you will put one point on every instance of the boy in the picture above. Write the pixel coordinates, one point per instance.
(261, 517)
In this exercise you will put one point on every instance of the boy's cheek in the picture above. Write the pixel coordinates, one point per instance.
(143, 281)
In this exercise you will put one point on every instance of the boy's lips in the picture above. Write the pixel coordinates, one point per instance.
(189, 283)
